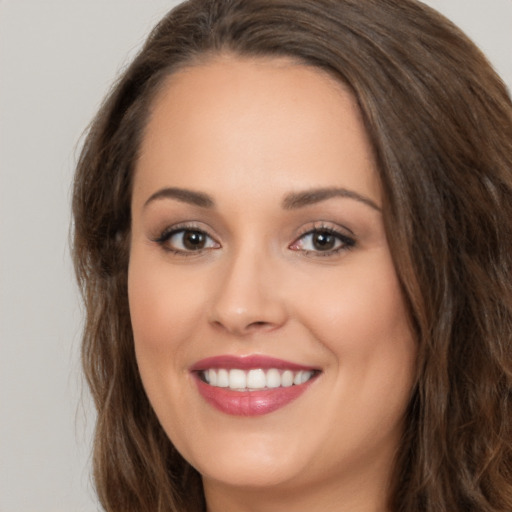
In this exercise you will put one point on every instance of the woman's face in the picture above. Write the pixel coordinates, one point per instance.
(270, 330)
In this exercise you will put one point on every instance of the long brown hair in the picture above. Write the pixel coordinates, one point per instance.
(440, 121)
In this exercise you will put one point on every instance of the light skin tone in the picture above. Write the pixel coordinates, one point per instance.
(257, 230)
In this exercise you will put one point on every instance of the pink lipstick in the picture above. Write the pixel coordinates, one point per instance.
(251, 385)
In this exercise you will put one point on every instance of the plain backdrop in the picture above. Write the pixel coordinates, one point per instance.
(57, 60)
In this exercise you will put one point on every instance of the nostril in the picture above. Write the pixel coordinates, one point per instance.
(257, 325)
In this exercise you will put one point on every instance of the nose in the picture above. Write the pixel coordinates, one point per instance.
(248, 298)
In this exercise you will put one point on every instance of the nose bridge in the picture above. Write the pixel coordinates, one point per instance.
(247, 297)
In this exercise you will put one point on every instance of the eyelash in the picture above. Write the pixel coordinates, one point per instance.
(346, 243)
(168, 233)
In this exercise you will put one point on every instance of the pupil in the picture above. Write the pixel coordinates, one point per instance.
(323, 241)
(194, 240)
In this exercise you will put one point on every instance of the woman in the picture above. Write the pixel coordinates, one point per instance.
(293, 236)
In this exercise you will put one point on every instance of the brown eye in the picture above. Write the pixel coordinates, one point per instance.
(193, 240)
(185, 240)
(323, 241)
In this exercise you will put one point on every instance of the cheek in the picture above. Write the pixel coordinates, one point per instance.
(361, 319)
(366, 330)
(364, 307)
(163, 311)
(158, 298)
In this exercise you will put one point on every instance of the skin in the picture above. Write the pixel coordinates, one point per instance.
(248, 133)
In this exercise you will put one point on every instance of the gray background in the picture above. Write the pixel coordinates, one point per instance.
(57, 60)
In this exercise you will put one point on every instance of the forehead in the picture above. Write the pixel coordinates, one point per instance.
(231, 120)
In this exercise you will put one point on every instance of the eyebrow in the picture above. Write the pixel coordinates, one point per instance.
(291, 201)
(184, 195)
(297, 200)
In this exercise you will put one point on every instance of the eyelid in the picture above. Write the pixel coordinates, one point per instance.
(323, 225)
(347, 241)
(166, 234)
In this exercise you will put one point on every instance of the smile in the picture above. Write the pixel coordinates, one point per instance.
(256, 379)
(251, 385)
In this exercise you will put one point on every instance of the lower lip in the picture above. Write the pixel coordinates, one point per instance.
(250, 403)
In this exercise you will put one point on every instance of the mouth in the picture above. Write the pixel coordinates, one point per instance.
(257, 379)
(251, 385)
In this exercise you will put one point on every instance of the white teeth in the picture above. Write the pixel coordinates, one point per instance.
(255, 379)
(237, 379)
(212, 377)
(222, 378)
(287, 379)
(305, 376)
(273, 378)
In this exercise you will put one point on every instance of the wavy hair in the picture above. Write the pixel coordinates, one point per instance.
(440, 122)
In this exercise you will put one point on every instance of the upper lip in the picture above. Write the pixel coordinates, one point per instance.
(247, 362)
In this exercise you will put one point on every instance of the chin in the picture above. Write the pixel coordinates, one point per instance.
(247, 458)
(253, 472)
